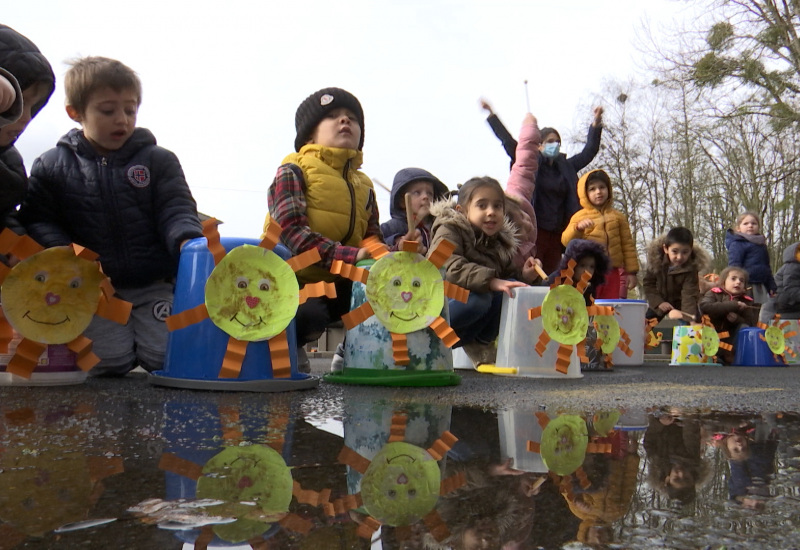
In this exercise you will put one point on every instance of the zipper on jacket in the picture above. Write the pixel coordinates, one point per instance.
(352, 203)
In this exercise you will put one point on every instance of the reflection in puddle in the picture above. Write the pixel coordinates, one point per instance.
(241, 472)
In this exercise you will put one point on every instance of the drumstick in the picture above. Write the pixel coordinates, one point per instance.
(409, 214)
(540, 271)
(527, 97)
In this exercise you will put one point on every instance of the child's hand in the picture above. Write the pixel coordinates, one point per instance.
(583, 225)
(7, 94)
(530, 271)
(665, 307)
(598, 116)
(363, 254)
(501, 285)
(675, 314)
(485, 106)
(529, 120)
(632, 281)
(732, 316)
(742, 306)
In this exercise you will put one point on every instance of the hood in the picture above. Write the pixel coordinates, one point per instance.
(22, 58)
(407, 176)
(582, 191)
(444, 212)
(578, 248)
(790, 253)
(700, 259)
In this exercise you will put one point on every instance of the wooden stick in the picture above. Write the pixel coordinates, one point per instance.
(409, 214)
(381, 185)
(540, 271)
(527, 97)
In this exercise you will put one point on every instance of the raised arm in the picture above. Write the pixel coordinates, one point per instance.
(592, 147)
(502, 133)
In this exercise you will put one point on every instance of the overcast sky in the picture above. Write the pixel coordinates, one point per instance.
(222, 80)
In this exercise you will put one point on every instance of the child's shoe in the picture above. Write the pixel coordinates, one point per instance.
(481, 353)
(303, 362)
(337, 363)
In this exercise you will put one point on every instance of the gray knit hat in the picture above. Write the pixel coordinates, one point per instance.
(314, 108)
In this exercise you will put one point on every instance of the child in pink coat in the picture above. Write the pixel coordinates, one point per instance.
(520, 187)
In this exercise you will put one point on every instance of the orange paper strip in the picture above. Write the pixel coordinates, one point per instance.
(280, 356)
(272, 235)
(534, 447)
(234, 356)
(114, 309)
(442, 445)
(400, 349)
(82, 347)
(303, 260)
(355, 274)
(445, 333)
(351, 458)
(409, 246)
(542, 418)
(375, 247)
(562, 362)
(441, 253)
(366, 529)
(187, 317)
(295, 523)
(25, 358)
(173, 463)
(534, 312)
(315, 290)
(541, 345)
(450, 484)
(211, 233)
(397, 430)
(84, 253)
(357, 316)
(436, 525)
(456, 292)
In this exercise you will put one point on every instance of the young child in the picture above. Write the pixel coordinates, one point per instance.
(787, 279)
(34, 82)
(110, 188)
(322, 200)
(483, 263)
(599, 221)
(729, 306)
(424, 189)
(747, 248)
(671, 280)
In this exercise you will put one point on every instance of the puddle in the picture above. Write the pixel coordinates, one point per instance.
(233, 471)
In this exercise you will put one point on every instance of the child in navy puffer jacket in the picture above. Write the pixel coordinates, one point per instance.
(747, 248)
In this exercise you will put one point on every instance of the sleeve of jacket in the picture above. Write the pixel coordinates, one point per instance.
(690, 292)
(590, 150)
(716, 309)
(505, 137)
(176, 209)
(650, 283)
(522, 179)
(40, 213)
(628, 248)
(736, 253)
(789, 293)
(13, 182)
(459, 270)
(572, 232)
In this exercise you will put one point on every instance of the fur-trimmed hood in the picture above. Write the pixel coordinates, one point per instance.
(699, 260)
(444, 212)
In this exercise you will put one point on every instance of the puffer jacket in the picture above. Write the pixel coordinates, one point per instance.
(717, 303)
(751, 255)
(787, 279)
(521, 185)
(20, 57)
(132, 206)
(610, 228)
(477, 258)
(679, 286)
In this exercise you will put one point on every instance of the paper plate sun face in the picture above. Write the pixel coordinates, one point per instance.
(775, 339)
(608, 330)
(564, 315)
(52, 296)
(405, 291)
(252, 294)
(564, 443)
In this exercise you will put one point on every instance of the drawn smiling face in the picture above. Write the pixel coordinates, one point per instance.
(252, 294)
(775, 340)
(710, 340)
(608, 331)
(401, 484)
(564, 315)
(406, 292)
(564, 443)
(51, 296)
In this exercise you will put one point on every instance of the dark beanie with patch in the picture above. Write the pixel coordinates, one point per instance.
(316, 107)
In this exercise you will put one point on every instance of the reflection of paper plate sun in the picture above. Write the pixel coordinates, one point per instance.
(252, 295)
(404, 291)
(565, 316)
(51, 296)
(564, 442)
(402, 483)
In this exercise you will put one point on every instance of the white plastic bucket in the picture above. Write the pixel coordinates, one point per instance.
(630, 315)
(519, 335)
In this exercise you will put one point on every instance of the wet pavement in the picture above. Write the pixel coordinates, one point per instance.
(642, 457)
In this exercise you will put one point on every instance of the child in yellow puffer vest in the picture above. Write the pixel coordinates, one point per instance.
(599, 221)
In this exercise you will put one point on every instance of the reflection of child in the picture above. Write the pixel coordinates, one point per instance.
(599, 221)
(747, 248)
(322, 200)
(482, 262)
(671, 283)
(750, 450)
(110, 188)
(729, 307)
(424, 188)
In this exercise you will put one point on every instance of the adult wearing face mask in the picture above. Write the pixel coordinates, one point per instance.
(555, 199)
